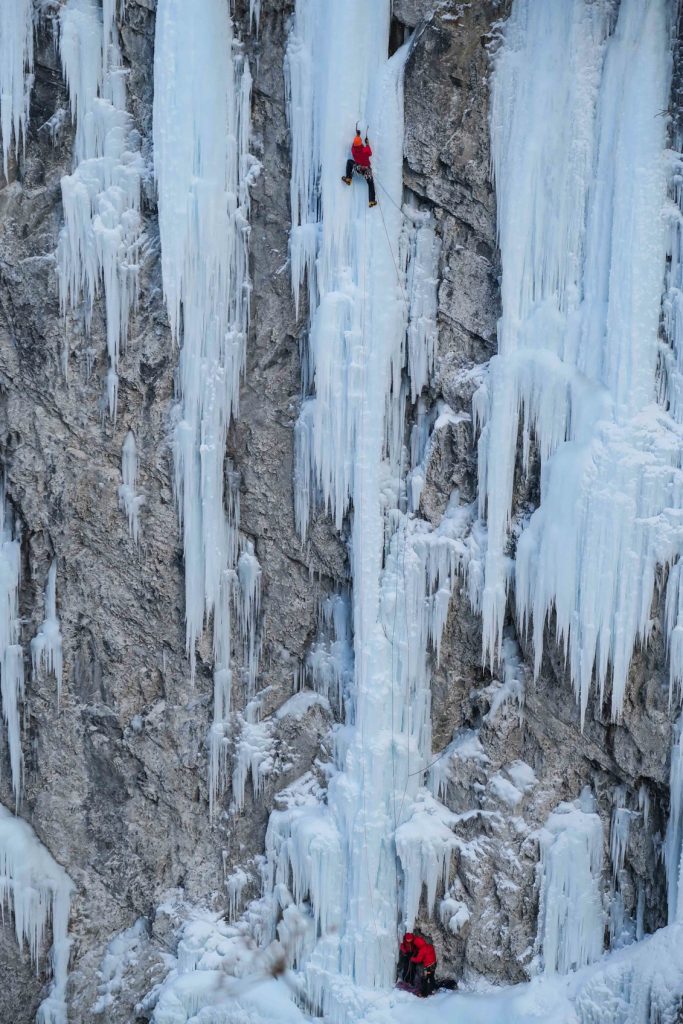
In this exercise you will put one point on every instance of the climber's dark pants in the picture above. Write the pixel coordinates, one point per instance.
(366, 173)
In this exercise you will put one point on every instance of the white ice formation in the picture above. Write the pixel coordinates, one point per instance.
(354, 858)
(11, 653)
(202, 96)
(37, 892)
(100, 242)
(570, 918)
(16, 75)
(129, 499)
(46, 646)
(583, 239)
(122, 954)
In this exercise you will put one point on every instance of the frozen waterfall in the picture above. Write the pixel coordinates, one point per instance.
(583, 241)
(16, 75)
(354, 858)
(100, 242)
(202, 97)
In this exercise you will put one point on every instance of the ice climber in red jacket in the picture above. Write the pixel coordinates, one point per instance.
(360, 163)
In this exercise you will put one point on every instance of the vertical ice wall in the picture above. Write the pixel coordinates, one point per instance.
(37, 891)
(99, 245)
(671, 367)
(337, 73)
(16, 74)
(371, 277)
(11, 653)
(583, 246)
(202, 93)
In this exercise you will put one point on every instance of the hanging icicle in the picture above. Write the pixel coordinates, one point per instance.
(46, 646)
(100, 243)
(583, 247)
(203, 168)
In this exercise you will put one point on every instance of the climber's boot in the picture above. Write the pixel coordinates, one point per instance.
(347, 181)
(373, 202)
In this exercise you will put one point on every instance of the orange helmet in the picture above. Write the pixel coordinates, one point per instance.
(358, 141)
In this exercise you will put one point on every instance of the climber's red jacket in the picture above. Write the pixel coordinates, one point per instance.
(424, 953)
(407, 947)
(361, 154)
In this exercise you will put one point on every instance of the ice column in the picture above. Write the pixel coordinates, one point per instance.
(570, 918)
(671, 376)
(203, 169)
(11, 653)
(371, 283)
(16, 74)
(101, 240)
(583, 247)
(37, 891)
(129, 500)
(46, 646)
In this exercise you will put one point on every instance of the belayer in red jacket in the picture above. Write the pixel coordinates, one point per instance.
(423, 963)
(360, 163)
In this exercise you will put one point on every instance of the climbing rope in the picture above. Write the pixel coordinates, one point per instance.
(371, 890)
(392, 200)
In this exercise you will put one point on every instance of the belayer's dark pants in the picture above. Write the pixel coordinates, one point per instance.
(366, 173)
(428, 981)
(405, 968)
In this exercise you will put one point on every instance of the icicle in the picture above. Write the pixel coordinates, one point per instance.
(203, 169)
(235, 883)
(578, 338)
(46, 646)
(367, 279)
(202, 173)
(249, 575)
(421, 287)
(16, 74)
(254, 14)
(129, 500)
(37, 891)
(570, 919)
(11, 653)
(619, 832)
(102, 235)
(222, 686)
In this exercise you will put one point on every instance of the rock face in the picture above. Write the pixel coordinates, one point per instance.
(115, 776)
